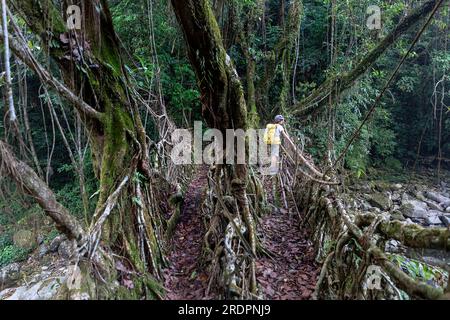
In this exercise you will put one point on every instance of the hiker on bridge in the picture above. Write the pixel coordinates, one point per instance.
(272, 137)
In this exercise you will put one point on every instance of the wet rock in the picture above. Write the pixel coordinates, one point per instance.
(405, 197)
(433, 220)
(9, 275)
(394, 246)
(397, 215)
(436, 197)
(414, 209)
(380, 201)
(434, 206)
(421, 197)
(447, 210)
(421, 221)
(396, 187)
(434, 213)
(376, 210)
(67, 249)
(445, 220)
(396, 197)
(43, 250)
(54, 244)
(445, 204)
(43, 290)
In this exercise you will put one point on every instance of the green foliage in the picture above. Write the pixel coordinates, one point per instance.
(420, 271)
(51, 235)
(69, 193)
(11, 253)
(163, 64)
(6, 239)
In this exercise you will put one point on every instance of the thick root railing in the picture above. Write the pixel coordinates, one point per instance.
(349, 244)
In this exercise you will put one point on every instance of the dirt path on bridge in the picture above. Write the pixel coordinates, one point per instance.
(290, 275)
(183, 279)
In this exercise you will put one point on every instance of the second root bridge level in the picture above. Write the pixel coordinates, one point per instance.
(287, 272)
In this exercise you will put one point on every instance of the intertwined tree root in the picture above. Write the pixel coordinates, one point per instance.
(347, 241)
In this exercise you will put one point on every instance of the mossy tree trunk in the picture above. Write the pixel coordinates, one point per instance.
(280, 58)
(246, 40)
(91, 65)
(223, 107)
(290, 34)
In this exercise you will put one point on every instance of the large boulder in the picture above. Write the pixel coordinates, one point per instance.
(9, 275)
(380, 201)
(445, 204)
(433, 220)
(58, 281)
(67, 249)
(436, 197)
(396, 215)
(42, 290)
(445, 220)
(434, 206)
(382, 186)
(24, 239)
(54, 244)
(43, 250)
(414, 209)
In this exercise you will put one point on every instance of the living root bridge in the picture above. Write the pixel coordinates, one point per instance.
(347, 243)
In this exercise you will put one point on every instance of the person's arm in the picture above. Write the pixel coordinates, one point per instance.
(285, 134)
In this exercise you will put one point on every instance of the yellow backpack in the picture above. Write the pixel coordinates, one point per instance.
(269, 134)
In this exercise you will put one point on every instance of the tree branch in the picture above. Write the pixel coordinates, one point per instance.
(222, 95)
(412, 235)
(338, 85)
(23, 53)
(27, 179)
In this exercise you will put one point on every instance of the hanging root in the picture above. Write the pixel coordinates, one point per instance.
(175, 202)
(323, 274)
(230, 239)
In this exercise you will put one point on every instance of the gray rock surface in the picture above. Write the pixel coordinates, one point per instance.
(54, 244)
(380, 201)
(42, 290)
(66, 249)
(414, 209)
(436, 196)
(43, 250)
(9, 275)
(445, 220)
(433, 220)
(24, 239)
